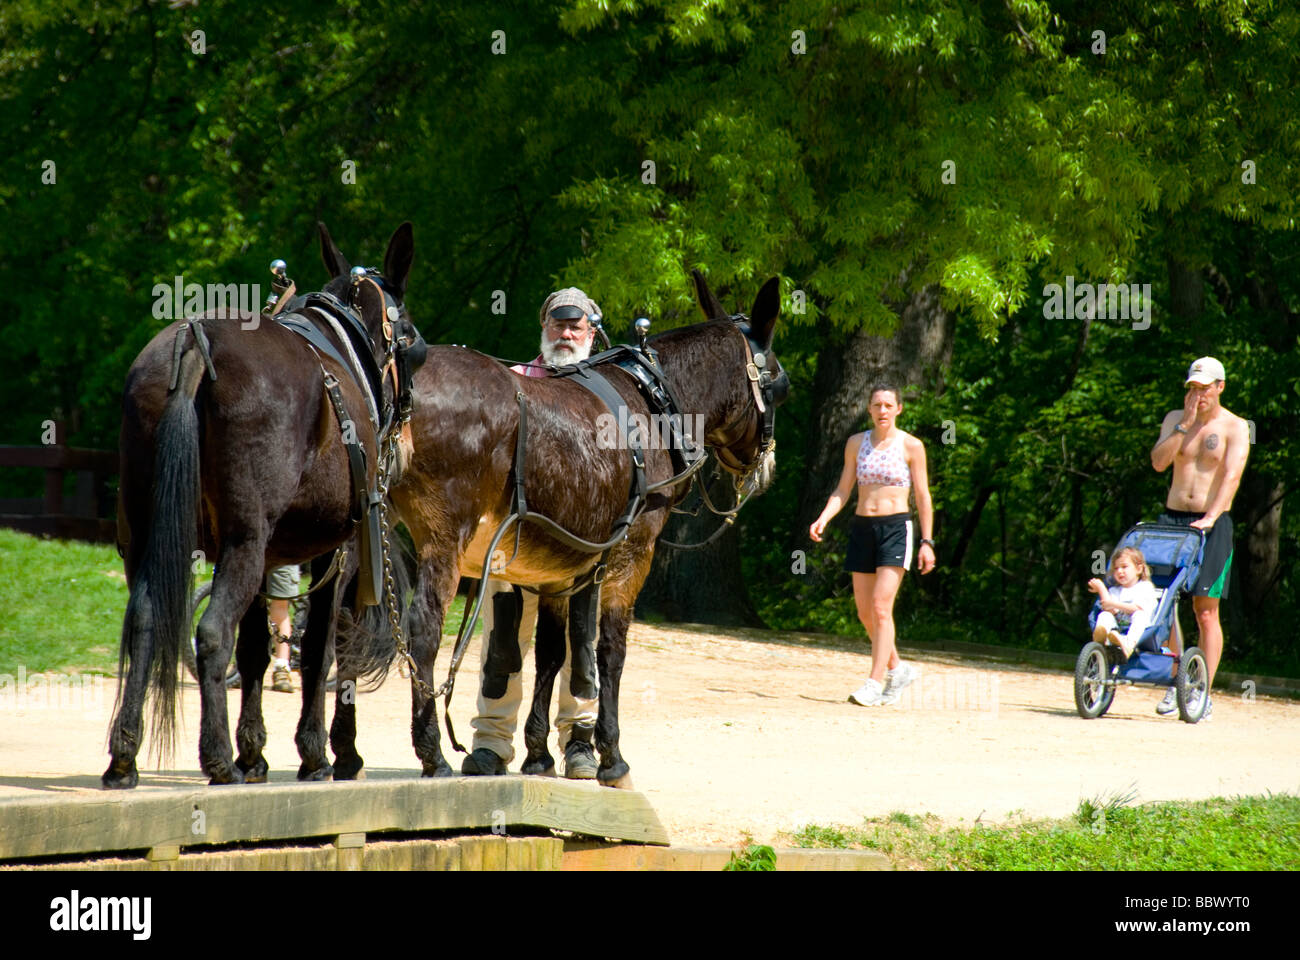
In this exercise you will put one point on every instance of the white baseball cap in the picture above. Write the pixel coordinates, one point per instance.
(1205, 370)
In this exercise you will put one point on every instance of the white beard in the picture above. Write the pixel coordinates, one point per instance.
(560, 352)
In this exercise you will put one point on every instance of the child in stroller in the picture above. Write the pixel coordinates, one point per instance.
(1172, 555)
(1130, 603)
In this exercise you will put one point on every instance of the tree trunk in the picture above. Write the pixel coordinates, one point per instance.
(698, 586)
(1261, 523)
(917, 354)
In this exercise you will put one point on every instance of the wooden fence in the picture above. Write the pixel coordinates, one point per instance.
(86, 515)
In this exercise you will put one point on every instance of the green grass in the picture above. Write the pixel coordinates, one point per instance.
(1243, 833)
(754, 857)
(63, 601)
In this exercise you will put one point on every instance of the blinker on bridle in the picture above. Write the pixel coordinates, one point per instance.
(768, 390)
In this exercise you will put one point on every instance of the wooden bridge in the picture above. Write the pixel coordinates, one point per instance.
(469, 823)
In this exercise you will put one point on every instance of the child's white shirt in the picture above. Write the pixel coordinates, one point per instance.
(1142, 594)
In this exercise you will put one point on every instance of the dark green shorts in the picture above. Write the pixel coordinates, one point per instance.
(1217, 563)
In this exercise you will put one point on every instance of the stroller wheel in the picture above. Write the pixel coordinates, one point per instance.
(1092, 696)
(1193, 685)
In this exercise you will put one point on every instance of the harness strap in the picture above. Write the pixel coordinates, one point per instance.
(356, 453)
(521, 502)
(309, 332)
(366, 379)
(178, 349)
(595, 381)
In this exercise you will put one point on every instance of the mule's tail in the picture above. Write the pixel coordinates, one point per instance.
(158, 613)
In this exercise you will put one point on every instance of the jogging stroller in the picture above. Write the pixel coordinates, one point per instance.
(1174, 554)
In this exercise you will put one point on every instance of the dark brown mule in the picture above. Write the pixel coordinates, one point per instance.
(251, 469)
(459, 485)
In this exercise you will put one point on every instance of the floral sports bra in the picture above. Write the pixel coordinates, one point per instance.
(885, 464)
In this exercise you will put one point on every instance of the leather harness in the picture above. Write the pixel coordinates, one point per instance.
(357, 360)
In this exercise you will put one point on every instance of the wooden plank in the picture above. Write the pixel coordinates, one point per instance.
(63, 527)
(532, 853)
(22, 506)
(156, 817)
(587, 855)
(54, 457)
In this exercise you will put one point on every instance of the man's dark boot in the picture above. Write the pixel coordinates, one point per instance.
(484, 763)
(579, 758)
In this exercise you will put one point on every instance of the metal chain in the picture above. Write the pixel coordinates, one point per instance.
(390, 589)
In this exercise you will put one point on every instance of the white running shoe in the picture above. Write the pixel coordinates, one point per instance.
(895, 680)
(870, 694)
(1209, 710)
(1169, 704)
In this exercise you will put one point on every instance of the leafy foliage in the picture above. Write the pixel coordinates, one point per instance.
(863, 151)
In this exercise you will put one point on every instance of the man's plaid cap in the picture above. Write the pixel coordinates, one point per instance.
(568, 304)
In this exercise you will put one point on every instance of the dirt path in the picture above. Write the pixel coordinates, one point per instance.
(731, 737)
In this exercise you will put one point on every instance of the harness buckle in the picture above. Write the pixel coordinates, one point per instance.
(751, 371)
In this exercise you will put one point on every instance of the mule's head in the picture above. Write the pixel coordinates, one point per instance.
(378, 296)
(746, 444)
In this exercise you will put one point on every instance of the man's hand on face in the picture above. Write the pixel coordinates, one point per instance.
(1191, 404)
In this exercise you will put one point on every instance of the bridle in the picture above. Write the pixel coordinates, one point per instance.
(401, 354)
(768, 390)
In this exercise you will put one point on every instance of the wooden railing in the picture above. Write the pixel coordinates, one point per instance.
(87, 515)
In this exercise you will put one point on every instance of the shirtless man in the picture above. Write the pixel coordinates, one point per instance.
(1207, 446)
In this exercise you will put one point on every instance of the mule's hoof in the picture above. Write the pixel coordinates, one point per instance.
(253, 773)
(542, 766)
(618, 776)
(441, 769)
(120, 780)
(349, 769)
(231, 775)
(316, 774)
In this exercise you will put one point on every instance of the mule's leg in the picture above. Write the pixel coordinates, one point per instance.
(609, 657)
(348, 763)
(252, 655)
(551, 616)
(317, 649)
(434, 590)
(239, 576)
(125, 735)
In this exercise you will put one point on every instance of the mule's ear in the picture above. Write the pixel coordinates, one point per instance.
(709, 304)
(335, 263)
(767, 307)
(397, 261)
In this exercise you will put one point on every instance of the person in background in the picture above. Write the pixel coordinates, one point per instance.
(1207, 446)
(567, 336)
(888, 464)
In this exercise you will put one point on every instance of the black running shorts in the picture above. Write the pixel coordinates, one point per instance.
(879, 542)
(1217, 563)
